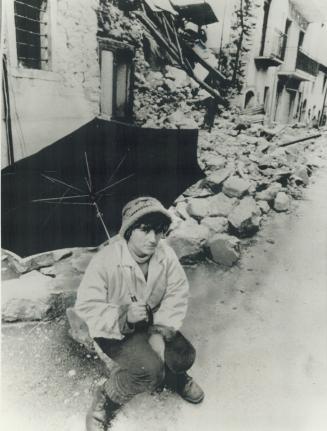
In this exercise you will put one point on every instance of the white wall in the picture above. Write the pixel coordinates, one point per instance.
(47, 105)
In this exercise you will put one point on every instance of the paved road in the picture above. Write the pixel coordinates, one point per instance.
(259, 328)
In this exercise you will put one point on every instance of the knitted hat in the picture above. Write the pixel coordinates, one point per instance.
(139, 207)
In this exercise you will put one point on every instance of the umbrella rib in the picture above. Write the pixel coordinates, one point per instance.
(60, 198)
(62, 183)
(69, 203)
(114, 184)
(88, 171)
(117, 168)
(87, 183)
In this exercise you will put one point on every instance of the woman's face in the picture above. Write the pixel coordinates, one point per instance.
(144, 240)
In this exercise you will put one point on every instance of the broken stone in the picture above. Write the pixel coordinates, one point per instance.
(215, 180)
(270, 193)
(235, 187)
(221, 205)
(281, 202)
(62, 254)
(245, 218)
(302, 173)
(81, 262)
(197, 191)
(224, 249)
(214, 162)
(264, 206)
(188, 240)
(198, 208)
(30, 297)
(181, 210)
(215, 224)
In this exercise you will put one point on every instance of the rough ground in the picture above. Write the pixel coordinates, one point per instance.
(260, 332)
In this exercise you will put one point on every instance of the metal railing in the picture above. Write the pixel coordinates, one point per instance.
(307, 64)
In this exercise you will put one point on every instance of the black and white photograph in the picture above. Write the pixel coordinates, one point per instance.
(163, 215)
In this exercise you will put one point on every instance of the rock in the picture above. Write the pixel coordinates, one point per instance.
(269, 193)
(264, 206)
(213, 161)
(301, 172)
(224, 249)
(215, 224)
(179, 76)
(181, 210)
(198, 208)
(30, 297)
(81, 261)
(236, 187)
(215, 180)
(221, 205)
(252, 140)
(62, 254)
(197, 191)
(179, 120)
(245, 218)
(281, 202)
(188, 240)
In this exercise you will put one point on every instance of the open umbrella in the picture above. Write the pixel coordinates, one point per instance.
(71, 193)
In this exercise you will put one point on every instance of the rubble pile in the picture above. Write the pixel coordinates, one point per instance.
(249, 171)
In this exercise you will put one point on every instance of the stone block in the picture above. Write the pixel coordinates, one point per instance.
(281, 202)
(30, 297)
(224, 249)
(221, 205)
(215, 180)
(198, 208)
(213, 161)
(188, 240)
(215, 224)
(245, 218)
(301, 172)
(236, 187)
(264, 206)
(269, 193)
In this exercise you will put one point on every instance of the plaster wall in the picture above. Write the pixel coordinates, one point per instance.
(49, 104)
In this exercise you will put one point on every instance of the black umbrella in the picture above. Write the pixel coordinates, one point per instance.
(72, 192)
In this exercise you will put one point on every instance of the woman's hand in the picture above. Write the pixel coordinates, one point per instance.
(136, 312)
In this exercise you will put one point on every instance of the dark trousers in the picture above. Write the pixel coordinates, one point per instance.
(138, 367)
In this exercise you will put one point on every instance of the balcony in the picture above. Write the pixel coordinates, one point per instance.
(306, 64)
(274, 51)
(305, 68)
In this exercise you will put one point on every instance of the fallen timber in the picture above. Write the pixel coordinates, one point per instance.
(297, 141)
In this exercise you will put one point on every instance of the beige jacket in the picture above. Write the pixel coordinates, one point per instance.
(113, 277)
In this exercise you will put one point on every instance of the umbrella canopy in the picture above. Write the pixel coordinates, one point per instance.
(71, 192)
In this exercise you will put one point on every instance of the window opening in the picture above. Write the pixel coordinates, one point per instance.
(31, 22)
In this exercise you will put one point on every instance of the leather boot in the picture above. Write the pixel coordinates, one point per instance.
(101, 412)
(185, 386)
(189, 390)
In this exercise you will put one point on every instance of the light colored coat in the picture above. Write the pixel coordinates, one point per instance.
(113, 277)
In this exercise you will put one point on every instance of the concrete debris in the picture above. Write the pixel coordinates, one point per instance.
(221, 205)
(236, 187)
(301, 174)
(264, 206)
(188, 240)
(215, 180)
(29, 297)
(215, 224)
(245, 218)
(198, 208)
(270, 193)
(224, 249)
(281, 202)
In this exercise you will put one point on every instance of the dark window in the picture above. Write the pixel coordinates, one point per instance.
(31, 21)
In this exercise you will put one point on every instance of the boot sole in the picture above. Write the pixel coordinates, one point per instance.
(194, 401)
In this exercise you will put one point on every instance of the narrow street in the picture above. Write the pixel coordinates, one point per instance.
(259, 329)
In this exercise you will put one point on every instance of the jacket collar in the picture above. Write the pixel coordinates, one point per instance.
(127, 259)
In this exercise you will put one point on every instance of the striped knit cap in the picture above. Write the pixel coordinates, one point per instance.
(139, 207)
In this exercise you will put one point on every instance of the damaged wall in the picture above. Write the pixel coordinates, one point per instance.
(48, 104)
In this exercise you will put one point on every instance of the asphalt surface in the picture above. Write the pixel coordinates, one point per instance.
(259, 329)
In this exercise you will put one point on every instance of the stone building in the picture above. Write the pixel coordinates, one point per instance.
(285, 70)
(53, 51)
